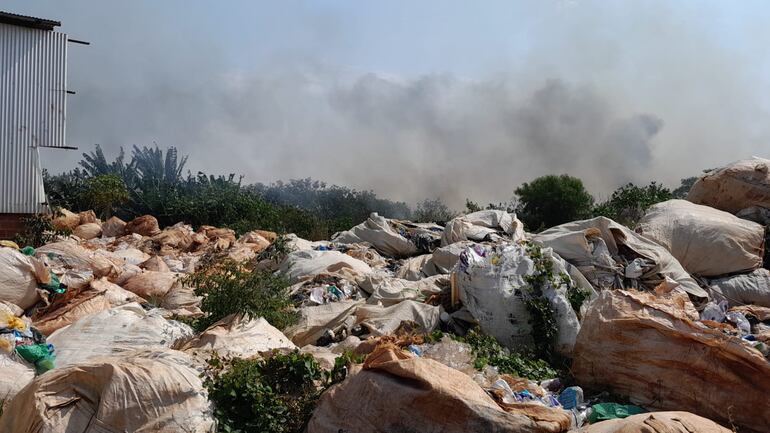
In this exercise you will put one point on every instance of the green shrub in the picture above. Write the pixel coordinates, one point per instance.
(39, 230)
(228, 287)
(273, 394)
(552, 200)
(276, 394)
(104, 193)
(629, 202)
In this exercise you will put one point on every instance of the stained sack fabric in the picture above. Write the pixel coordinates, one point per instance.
(483, 225)
(592, 246)
(658, 422)
(706, 241)
(654, 350)
(396, 392)
(117, 330)
(734, 187)
(143, 392)
(314, 321)
(69, 254)
(380, 320)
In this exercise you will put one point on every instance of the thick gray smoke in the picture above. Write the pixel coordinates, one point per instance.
(611, 94)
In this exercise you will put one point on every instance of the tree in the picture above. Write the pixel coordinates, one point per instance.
(104, 193)
(552, 200)
(629, 202)
(430, 211)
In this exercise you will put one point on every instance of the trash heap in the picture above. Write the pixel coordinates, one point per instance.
(471, 326)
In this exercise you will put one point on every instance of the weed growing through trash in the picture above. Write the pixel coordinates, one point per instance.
(544, 326)
(277, 251)
(229, 287)
(277, 393)
(488, 351)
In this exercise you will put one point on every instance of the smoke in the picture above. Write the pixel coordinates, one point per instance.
(609, 94)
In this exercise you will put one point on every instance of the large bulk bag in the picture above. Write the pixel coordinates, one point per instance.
(303, 264)
(657, 422)
(379, 320)
(706, 241)
(734, 187)
(491, 282)
(117, 330)
(19, 275)
(147, 391)
(481, 225)
(377, 231)
(151, 284)
(396, 392)
(593, 245)
(69, 254)
(237, 337)
(752, 288)
(654, 350)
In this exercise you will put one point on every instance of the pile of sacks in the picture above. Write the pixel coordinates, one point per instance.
(86, 329)
(675, 318)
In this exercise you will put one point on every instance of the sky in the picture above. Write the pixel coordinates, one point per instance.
(415, 100)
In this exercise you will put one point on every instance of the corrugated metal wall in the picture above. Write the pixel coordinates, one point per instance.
(32, 111)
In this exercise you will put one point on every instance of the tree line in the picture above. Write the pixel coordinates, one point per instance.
(154, 182)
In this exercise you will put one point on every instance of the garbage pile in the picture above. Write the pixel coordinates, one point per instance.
(665, 328)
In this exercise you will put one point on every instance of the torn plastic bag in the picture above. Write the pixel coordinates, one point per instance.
(598, 246)
(654, 350)
(751, 288)
(492, 284)
(734, 187)
(117, 330)
(303, 264)
(160, 389)
(379, 320)
(420, 395)
(706, 241)
(483, 225)
(236, 336)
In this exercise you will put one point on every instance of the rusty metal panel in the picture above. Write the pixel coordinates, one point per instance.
(33, 96)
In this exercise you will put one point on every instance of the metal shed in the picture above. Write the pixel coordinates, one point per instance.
(33, 101)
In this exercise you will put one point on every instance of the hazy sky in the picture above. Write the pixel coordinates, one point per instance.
(421, 99)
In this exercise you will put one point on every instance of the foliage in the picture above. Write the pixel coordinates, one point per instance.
(276, 394)
(337, 208)
(684, 187)
(544, 326)
(552, 200)
(39, 230)
(629, 202)
(105, 192)
(228, 288)
(429, 211)
(488, 351)
(471, 206)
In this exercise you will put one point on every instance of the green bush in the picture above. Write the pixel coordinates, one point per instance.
(276, 394)
(39, 230)
(629, 202)
(104, 193)
(552, 200)
(228, 288)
